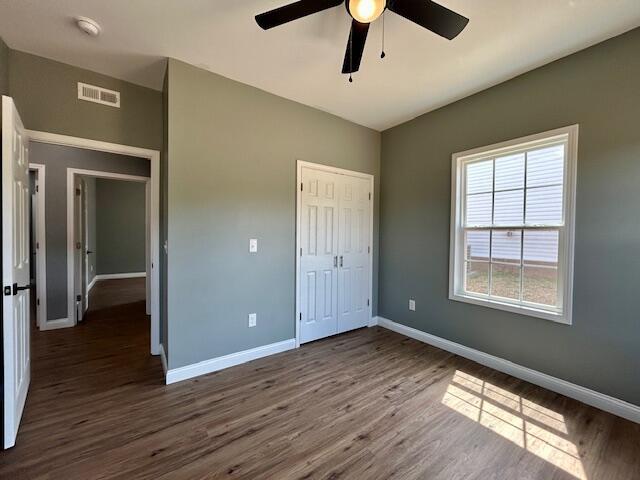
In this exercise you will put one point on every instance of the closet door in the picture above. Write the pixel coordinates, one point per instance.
(353, 253)
(318, 255)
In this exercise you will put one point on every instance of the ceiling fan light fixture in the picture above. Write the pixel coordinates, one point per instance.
(366, 11)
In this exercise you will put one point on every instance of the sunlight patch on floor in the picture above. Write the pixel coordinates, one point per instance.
(537, 429)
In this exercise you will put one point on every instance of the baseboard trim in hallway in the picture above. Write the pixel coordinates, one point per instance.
(175, 375)
(118, 276)
(590, 397)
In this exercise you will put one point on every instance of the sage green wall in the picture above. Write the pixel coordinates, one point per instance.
(46, 95)
(597, 88)
(232, 176)
(4, 68)
(120, 226)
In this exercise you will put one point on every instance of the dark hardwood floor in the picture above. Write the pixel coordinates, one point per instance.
(370, 404)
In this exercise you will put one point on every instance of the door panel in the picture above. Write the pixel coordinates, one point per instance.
(16, 272)
(318, 240)
(353, 250)
(79, 248)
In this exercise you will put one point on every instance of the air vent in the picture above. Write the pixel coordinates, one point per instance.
(91, 93)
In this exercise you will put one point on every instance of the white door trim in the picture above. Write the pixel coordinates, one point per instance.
(40, 237)
(154, 158)
(300, 164)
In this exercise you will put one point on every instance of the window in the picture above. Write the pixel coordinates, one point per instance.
(512, 225)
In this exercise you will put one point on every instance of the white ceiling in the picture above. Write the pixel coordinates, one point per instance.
(302, 60)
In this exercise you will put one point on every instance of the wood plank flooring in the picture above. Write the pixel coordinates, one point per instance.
(370, 404)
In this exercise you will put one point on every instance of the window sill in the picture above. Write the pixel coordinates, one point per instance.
(562, 318)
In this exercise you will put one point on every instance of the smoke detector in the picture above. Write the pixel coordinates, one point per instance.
(88, 26)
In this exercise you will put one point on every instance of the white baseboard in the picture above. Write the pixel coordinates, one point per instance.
(208, 366)
(56, 324)
(163, 359)
(92, 283)
(373, 321)
(115, 276)
(590, 397)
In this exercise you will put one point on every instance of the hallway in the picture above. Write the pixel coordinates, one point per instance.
(80, 374)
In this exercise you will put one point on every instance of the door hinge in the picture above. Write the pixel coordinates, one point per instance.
(300, 251)
(78, 192)
(302, 187)
(300, 316)
(368, 249)
(37, 188)
(38, 302)
(369, 195)
(368, 302)
(7, 291)
(37, 245)
(78, 298)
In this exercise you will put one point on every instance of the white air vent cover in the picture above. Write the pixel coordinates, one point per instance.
(101, 95)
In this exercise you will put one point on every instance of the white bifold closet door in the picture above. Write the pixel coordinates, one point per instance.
(334, 253)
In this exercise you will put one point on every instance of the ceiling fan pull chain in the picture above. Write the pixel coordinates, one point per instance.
(382, 55)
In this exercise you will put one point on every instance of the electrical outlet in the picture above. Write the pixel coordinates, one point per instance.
(253, 245)
(253, 318)
(412, 305)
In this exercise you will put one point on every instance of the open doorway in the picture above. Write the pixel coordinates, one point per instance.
(111, 236)
(70, 296)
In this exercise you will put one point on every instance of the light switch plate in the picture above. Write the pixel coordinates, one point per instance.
(253, 245)
(253, 319)
(412, 305)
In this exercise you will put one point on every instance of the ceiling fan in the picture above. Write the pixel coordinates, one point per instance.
(425, 13)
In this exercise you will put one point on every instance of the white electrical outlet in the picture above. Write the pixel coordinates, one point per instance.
(253, 318)
(253, 245)
(412, 305)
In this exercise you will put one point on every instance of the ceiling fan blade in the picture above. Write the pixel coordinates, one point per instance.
(293, 11)
(355, 47)
(431, 16)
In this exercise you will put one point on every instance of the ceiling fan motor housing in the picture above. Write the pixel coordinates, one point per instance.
(365, 11)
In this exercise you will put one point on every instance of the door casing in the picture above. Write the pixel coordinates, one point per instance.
(300, 164)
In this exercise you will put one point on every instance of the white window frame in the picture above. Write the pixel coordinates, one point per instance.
(562, 314)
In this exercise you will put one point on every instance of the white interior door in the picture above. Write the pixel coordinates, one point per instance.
(79, 248)
(85, 243)
(353, 252)
(334, 275)
(15, 268)
(318, 255)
